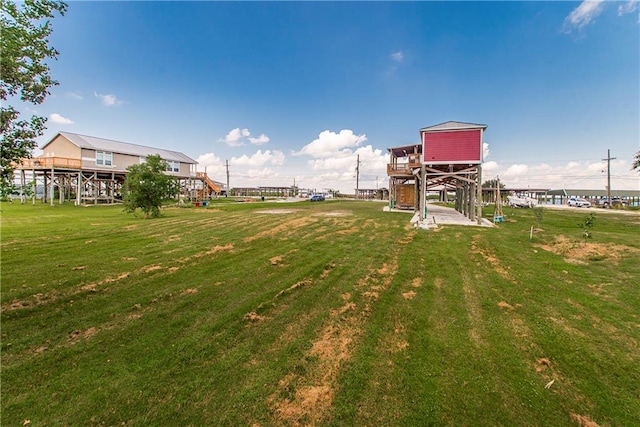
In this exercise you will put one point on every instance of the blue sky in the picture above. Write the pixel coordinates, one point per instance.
(296, 90)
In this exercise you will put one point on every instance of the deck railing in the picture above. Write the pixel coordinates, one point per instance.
(406, 167)
(402, 168)
(49, 162)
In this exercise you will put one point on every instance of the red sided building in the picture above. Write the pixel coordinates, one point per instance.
(450, 159)
(452, 143)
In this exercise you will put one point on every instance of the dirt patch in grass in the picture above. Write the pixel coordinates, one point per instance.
(504, 304)
(297, 285)
(372, 295)
(542, 364)
(580, 252)
(566, 327)
(491, 259)
(91, 287)
(214, 250)
(348, 231)
(189, 291)
(253, 317)
(583, 421)
(277, 211)
(474, 312)
(276, 260)
(417, 282)
(409, 295)
(284, 229)
(78, 335)
(151, 268)
(334, 213)
(327, 270)
(38, 299)
(314, 391)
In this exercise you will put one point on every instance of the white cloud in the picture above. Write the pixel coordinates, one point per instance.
(260, 158)
(489, 167)
(583, 15)
(108, 100)
(57, 118)
(212, 163)
(261, 174)
(262, 139)
(335, 158)
(238, 137)
(572, 165)
(234, 137)
(372, 161)
(397, 56)
(516, 170)
(331, 144)
(627, 7)
(75, 96)
(485, 150)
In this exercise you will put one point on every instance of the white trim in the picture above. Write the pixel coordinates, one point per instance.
(454, 162)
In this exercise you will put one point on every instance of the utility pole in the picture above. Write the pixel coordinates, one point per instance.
(608, 159)
(357, 175)
(227, 165)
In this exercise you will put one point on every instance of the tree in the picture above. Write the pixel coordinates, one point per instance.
(492, 183)
(636, 162)
(147, 186)
(24, 43)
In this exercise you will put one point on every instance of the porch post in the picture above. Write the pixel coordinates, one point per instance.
(479, 188)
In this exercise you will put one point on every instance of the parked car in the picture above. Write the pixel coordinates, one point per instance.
(579, 202)
(317, 198)
(615, 201)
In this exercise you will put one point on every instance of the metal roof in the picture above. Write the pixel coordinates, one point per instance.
(101, 144)
(454, 126)
(405, 149)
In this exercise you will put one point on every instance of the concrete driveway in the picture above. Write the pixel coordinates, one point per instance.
(440, 215)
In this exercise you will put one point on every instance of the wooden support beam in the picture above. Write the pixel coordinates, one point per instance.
(51, 183)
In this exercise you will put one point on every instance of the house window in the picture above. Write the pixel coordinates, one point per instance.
(104, 158)
(173, 166)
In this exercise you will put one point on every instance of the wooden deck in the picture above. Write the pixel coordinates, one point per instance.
(405, 168)
(50, 162)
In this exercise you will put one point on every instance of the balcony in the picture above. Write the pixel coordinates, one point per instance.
(50, 162)
(404, 168)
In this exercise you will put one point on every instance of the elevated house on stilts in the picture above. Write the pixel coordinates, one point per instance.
(448, 158)
(91, 170)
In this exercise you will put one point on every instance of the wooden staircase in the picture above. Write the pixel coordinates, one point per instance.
(210, 185)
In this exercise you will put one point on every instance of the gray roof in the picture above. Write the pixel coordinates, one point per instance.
(94, 143)
(454, 126)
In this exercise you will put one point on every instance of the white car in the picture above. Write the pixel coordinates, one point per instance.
(579, 202)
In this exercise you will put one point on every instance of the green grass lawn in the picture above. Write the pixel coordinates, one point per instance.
(332, 313)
